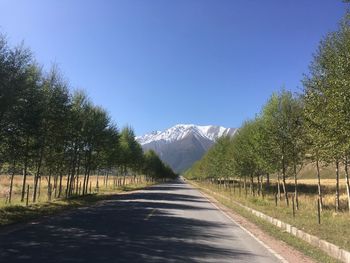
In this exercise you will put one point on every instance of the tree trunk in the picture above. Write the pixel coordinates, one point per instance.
(319, 184)
(252, 190)
(71, 174)
(284, 181)
(268, 181)
(347, 181)
(55, 180)
(260, 182)
(60, 185)
(124, 176)
(296, 186)
(25, 169)
(49, 188)
(36, 178)
(87, 180)
(88, 158)
(98, 173)
(67, 184)
(240, 186)
(11, 181)
(278, 186)
(39, 186)
(24, 179)
(77, 177)
(337, 202)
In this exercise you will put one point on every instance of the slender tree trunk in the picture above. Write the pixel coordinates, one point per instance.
(87, 171)
(319, 184)
(252, 190)
(67, 184)
(72, 179)
(36, 178)
(35, 187)
(71, 174)
(240, 186)
(11, 181)
(55, 180)
(25, 169)
(77, 176)
(124, 176)
(60, 185)
(24, 178)
(296, 186)
(284, 181)
(337, 202)
(98, 173)
(278, 186)
(87, 180)
(267, 181)
(39, 186)
(347, 182)
(72, 184)
(84, 181)
(49, 188)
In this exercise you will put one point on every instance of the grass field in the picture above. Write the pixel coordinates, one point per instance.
(326, 171)
(300, 245)
(103, 186)
(18, 211)
(334, 226)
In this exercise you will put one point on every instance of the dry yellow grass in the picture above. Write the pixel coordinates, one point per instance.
(325, 182)
(43, 194)
(334, 226)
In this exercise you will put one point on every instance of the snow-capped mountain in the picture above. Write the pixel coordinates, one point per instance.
(183, 144)
(180, 131)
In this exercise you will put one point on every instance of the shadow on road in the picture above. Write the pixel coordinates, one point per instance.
(138, 227)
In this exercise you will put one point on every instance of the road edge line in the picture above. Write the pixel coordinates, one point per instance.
(273, 252)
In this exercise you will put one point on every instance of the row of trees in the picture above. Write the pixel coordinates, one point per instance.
(292, 130)
(45, 131)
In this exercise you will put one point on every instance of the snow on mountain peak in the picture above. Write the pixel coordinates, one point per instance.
(180, 131)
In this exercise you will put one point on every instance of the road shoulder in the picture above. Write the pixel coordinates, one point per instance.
(288, 253)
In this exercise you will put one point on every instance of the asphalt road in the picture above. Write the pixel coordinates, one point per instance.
(166, 223)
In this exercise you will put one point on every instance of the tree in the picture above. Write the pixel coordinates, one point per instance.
(328, 86)
(284, 122)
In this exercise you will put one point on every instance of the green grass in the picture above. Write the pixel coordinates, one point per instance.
(334, 227)
(293, 241)
(16, 213)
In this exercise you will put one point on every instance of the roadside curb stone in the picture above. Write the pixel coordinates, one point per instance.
(331, 249)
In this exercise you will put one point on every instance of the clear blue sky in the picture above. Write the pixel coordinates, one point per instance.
(156, 63)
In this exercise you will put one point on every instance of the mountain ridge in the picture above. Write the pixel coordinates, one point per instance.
(183, 144)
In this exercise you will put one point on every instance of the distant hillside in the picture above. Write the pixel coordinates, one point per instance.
(182, 145)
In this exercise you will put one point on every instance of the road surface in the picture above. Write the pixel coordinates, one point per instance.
(170, 222)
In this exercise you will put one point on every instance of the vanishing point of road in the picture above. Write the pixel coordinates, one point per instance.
(170, 222)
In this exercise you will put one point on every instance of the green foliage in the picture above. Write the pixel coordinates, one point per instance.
(260, 145)
(155, 168)
(327, 95)
(291, 130)
(47, 132)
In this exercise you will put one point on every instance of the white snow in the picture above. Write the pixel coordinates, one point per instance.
(180, 131)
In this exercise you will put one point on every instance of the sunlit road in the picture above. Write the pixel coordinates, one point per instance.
(165, 223)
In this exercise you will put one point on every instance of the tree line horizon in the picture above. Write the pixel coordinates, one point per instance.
(294, 129)
(47, 130)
